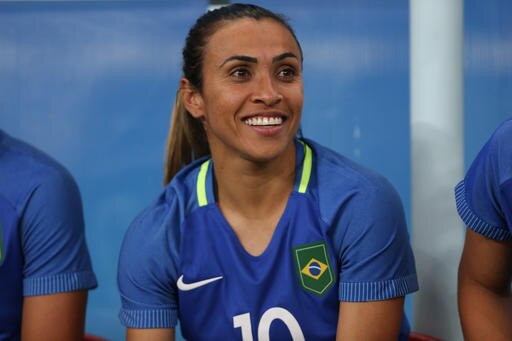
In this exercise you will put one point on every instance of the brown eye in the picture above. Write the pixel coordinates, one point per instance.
(286, 74)
(240, 74)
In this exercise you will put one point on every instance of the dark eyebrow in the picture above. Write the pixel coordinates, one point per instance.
(241, 58)
(255, 60)
(284, 56)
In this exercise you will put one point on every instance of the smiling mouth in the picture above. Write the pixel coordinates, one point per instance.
(263, 121)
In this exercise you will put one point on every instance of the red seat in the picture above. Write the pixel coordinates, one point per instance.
(422, 337)
(90, 337)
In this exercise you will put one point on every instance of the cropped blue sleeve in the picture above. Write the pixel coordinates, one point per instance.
(484, 196)
(53, 242)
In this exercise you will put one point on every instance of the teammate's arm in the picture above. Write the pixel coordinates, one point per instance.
(54, 317)
(157, 334)
(485, 302)
(57, 271)
(376, 320)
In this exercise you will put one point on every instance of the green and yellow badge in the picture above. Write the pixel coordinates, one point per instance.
(313, 267)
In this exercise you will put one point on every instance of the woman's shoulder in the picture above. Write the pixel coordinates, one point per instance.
(345, 185)
(336, 169)
(172, 205)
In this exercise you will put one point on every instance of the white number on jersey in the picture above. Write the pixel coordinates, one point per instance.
(243, 321)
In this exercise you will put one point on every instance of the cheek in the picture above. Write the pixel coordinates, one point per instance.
(220, 112)
(223, 103)
(296, 98)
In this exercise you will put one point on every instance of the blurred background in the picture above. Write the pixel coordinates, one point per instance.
(92, 83)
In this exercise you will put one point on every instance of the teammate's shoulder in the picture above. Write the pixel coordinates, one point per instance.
(505, 126)
(26, 157)
(495, 154)
(502, 136)
(25, 168)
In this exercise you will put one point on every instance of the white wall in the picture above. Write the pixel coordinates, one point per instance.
(436, 42)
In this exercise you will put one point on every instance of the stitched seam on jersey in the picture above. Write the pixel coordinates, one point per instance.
(473, 221)
(201, 184)
(376, 291)
(306, 168)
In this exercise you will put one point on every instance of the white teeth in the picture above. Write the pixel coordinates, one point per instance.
(264, 121)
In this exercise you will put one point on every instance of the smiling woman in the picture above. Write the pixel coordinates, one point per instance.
(245, 87)
(256, 225)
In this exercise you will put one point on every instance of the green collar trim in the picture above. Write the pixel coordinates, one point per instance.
(306, 168)
(303, 185)
(201, 184)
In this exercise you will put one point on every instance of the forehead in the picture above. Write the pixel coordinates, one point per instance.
(250, 37)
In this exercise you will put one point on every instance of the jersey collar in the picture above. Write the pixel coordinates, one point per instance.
(204, 183)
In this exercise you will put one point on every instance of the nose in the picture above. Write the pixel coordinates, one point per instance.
(266, 92)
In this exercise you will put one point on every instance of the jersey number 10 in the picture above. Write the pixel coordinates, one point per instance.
(243, 321)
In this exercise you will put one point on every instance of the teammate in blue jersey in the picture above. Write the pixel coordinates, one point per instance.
(260, 235)
(45, 269)
(484, 202)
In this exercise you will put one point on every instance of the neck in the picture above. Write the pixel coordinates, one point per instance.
(254, 189)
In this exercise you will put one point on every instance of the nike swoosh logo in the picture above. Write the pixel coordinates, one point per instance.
(191, 286)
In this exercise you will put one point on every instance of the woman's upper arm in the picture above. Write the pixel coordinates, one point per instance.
(376, 320)
(485, 273)
(54, 317)
(486, 262)
(156, 334)
(57, 270)
(147, 285)
(376, 266)
(56, 257)
(375, 258)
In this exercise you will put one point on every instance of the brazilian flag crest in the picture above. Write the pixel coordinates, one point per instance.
(313, 266)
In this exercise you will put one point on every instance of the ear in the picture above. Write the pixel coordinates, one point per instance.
(192, 98)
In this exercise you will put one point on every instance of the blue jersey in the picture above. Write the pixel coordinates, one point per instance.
(484, 197)
(342, 237)
(42, 245)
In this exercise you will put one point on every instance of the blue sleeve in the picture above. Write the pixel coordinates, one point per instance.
(375, 258)
(148, 265)
(484, 196)
(52, 229)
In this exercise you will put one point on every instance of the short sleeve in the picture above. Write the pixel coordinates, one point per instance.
(484, 196)
(148, 266)
(53, 241)
(375, 258)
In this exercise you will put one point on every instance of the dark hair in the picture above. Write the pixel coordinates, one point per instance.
(187, 139)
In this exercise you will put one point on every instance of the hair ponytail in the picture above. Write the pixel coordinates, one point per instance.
(186, 141)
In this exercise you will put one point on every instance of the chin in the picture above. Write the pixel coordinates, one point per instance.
(269, 153)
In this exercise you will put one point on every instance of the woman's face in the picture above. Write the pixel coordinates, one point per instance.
(251, 101)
